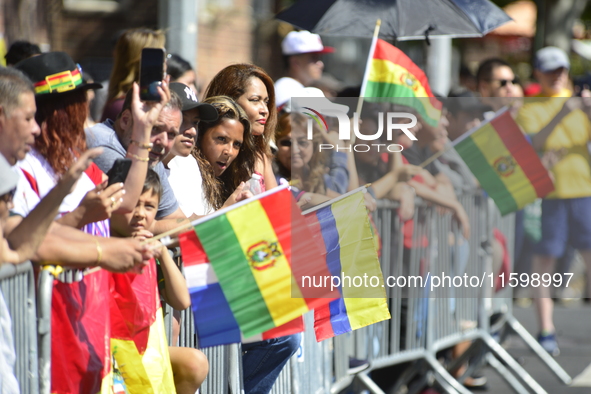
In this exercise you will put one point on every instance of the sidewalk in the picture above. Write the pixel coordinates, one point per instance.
(573, 325)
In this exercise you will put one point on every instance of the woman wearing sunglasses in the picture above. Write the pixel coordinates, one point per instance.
(314, 175)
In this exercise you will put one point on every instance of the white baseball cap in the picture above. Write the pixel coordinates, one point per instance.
(298, 42)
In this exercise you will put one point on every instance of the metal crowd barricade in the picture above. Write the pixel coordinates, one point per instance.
(224, 362)
(448, 316)
(482, 213)
(17, 284)
(410, 307)
(422, 324)
(225, 368)
(44, 295)
(503, 306)
(310, 369)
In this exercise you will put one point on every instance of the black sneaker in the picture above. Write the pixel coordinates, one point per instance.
(356, 365)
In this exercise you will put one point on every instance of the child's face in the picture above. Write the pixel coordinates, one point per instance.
(140, 219)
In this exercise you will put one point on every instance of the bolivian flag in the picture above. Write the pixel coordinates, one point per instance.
(343, 230)
(138, 339)
(392, 75)
(80, 330)
(504, 163)
(252, 281)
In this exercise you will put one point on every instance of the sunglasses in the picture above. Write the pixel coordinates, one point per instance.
(287, 143)
(504, 82)
(8, 197)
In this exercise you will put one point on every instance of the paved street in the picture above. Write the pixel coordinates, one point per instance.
(573, 323)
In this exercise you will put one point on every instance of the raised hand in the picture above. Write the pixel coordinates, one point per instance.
(145, 113)
(100, 203)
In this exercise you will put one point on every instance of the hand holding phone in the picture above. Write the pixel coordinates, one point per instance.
(151, 73)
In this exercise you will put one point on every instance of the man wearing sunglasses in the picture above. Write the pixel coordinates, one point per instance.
(496, 83)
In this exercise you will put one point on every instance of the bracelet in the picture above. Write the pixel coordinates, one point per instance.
(147, 146)
(144, 159)
(99, 252)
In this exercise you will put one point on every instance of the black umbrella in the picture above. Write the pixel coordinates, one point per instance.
(401, 19)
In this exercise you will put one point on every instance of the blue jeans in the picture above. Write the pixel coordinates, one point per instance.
(263, 361)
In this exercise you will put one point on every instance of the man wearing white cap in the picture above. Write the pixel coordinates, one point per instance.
(302, 52)
(560, 127)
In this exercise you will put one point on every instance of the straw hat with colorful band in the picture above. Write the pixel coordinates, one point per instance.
(54, 73)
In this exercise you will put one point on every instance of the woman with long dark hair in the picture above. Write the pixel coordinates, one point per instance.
(252, 89)
(224, 151)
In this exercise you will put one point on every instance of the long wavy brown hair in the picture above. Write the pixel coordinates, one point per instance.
(126, 63)
(232, 82)
(313, 173)
(218, 189)
(61, 119)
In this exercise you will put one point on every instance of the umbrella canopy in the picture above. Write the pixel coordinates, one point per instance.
(401, 19)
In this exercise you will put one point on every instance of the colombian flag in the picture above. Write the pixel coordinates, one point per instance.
(393, 75)
(504, 163)
(344, 231)
(239, 270)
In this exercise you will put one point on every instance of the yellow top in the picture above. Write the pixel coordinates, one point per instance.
(572, 173)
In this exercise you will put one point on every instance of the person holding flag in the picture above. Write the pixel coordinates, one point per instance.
(561, 126)
(137, 305)
(225, 153)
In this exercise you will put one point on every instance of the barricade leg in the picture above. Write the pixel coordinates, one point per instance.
(505, 374)
(408, 375)
(44, 295)
(530, 341)
(448, 382)
(511, 364)
(234, 355)
(369, 384)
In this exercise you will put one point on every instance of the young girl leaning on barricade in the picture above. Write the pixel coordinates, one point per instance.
(137, 292)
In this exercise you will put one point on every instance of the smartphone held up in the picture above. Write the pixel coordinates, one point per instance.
(118, 172)
(151, 73)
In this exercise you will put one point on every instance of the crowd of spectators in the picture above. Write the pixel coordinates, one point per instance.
(191, 157)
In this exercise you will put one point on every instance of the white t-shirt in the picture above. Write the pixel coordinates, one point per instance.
(26, 198)
(186, 183)
(284, 88)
